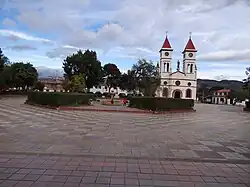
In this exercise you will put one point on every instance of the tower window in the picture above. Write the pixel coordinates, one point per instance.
(164, 67)
(191, 68)
(168, 69)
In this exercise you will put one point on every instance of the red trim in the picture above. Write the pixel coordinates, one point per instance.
(223, 91)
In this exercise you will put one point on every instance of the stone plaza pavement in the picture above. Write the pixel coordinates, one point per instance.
(43, 147)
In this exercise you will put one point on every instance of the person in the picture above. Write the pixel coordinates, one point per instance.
(124, 101)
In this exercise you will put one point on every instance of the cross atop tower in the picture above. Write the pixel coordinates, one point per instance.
(166, 45)
(190, 35)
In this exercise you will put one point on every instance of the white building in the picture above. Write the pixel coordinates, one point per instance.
(179, 83)
(104, 89)
(221, 97)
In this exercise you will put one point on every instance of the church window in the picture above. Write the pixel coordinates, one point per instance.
(164, 67)
(191, 68)
(177, 83)
(165, 92)
(165, 83)
(167, 67)
(188, 93)
(189, 84)
(188, 68)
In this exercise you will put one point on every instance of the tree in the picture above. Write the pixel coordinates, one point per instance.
(3, 60)
(146, 76)
(23, 75)
(5, 78)
(77, 83)
(246, 81)
(83, 63)
(39, 86)
(112, 74)
(128, 81)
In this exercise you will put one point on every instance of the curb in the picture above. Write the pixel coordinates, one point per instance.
(65, 108)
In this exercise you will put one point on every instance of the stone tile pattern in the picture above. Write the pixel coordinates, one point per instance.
(212, 133)
(72, 171)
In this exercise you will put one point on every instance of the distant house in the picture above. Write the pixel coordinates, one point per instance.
(56, 84)
(221, 96)
(52, 84)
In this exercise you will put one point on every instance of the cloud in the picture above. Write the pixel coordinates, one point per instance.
(23, 36)
(126, 30)
(229, 55)
(61, 52)
(9, 22)
(21, 47)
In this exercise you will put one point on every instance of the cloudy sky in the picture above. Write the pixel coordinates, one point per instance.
(43, 32)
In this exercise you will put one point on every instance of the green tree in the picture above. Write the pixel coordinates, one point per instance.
(112, 74)
(39, 86)
(246, 81)
(6, 78)
(77, 83)
(146, 76)
(3, 60)
(83, 63)
(128, 81)
(23, 75)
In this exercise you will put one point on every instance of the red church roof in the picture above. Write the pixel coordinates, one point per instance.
(190, 46)
(223, 91)
(166, 44)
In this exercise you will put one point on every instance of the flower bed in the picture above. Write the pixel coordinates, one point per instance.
(117, 102)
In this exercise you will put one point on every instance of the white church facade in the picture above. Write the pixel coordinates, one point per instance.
(181, 83)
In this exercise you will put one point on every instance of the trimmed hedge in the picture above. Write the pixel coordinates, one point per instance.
(247, 108)
(248, 104)
(59, 98)
(160, 104)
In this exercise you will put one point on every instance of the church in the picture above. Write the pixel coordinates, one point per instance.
(181, 83)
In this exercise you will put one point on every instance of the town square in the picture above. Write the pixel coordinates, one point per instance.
(44, 147)
(124, 93)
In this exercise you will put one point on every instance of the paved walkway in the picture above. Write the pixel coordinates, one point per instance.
(72, 148)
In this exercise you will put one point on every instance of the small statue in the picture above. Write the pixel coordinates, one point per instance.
(178, 65)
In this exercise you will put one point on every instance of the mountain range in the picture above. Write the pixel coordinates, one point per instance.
(44, 72)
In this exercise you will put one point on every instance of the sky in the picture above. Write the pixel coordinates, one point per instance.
(44, 32)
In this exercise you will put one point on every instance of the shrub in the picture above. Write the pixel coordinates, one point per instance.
(98, 94)
(122, 95)
(107, 95)
(58, 98)
(160, 104)
(248, 104)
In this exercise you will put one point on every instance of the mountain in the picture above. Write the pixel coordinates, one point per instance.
(227, 84)
(44, 72)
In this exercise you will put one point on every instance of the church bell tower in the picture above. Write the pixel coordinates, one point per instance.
(189, 59)
(166, 59)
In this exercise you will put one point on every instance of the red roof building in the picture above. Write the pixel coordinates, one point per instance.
(166, 45)
(190, 46)
(221, 96)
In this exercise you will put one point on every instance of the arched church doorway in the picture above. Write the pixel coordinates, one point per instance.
(177, 94)
(165, 92)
